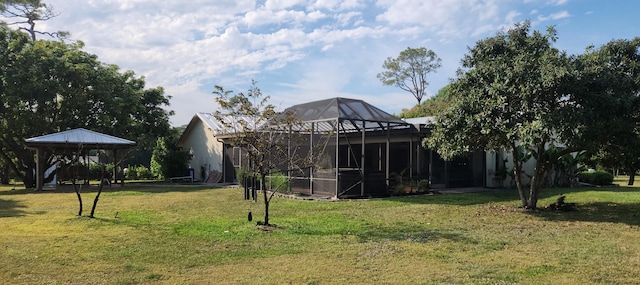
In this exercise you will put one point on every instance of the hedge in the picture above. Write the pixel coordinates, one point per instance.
(596, 178)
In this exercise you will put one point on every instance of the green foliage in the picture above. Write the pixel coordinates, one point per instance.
(241, 175)
(142, 172)
(424, 185)
(168, 160)
(56, 86)
(433, 106)
(26, 13)
(596, 178)
(409, 70)
(138, 172)
(516, 89)
(97, 169)
(277, 182)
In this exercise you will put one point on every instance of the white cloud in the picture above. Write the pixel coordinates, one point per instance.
(451, 19)
(314, 48)
(282, 4)
(554, 16)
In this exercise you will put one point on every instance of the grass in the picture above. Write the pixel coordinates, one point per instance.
(195, 235)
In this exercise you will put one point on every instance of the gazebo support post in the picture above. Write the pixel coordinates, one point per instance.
(39, 169)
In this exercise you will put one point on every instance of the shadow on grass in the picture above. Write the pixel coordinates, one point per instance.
(10, 208)
(501, 195)
(462, 199)
(141, 188)
(598, 212)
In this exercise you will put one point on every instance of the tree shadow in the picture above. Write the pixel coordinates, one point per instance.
(600, 212)
(461, 198)
(11, 208)
(499, 195)
(146, 188)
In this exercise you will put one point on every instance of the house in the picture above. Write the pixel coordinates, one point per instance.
(365, 152)
(207, 152)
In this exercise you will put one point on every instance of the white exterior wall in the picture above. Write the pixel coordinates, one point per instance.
(205, 149)
(494, 181)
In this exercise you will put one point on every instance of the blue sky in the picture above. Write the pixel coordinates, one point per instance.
(305, 50)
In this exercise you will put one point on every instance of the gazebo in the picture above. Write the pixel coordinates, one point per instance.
(74, 140)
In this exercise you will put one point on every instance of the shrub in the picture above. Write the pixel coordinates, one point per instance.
(241, 174)
(279, 182)
(131, 173)
(143, 172)
(596, 178)
(138, 172)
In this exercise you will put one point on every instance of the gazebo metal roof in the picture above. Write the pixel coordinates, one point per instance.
(71, 139)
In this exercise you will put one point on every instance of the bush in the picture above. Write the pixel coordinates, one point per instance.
(241, 174)
(596, 178)
(277, 182)
(138, 172)
(143, 172)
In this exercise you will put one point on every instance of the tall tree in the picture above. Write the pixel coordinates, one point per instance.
(512, 95)
(50, 86)
(409, 70)
(518, 92)
(26, 13)
(612, 76)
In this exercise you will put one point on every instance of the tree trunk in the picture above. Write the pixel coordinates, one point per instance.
(77, 188)
(95, 201)
(5, 174)
(266, 202)
(539, 172)
(536, 183)
(517, 175)
(632, 177)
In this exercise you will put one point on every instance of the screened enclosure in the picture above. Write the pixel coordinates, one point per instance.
(357, 150)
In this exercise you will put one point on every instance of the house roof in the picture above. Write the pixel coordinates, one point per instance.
(210, 122)
(75, 138)
(352, 115)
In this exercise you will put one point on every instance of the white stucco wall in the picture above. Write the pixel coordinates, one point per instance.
(206, 150)
(493, 181)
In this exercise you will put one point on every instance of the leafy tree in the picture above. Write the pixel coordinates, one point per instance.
(26, 13)
(51, 86)
(613, 71)
(433, 106)
(623, 155)
(168, 160)
(519, 91)
(263, 133)
(409, 70)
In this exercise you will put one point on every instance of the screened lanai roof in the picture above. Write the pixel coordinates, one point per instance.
(340, 108)
(352, 114)
(348, 115)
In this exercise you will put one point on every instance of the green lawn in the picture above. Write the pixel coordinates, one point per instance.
(194, 235)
